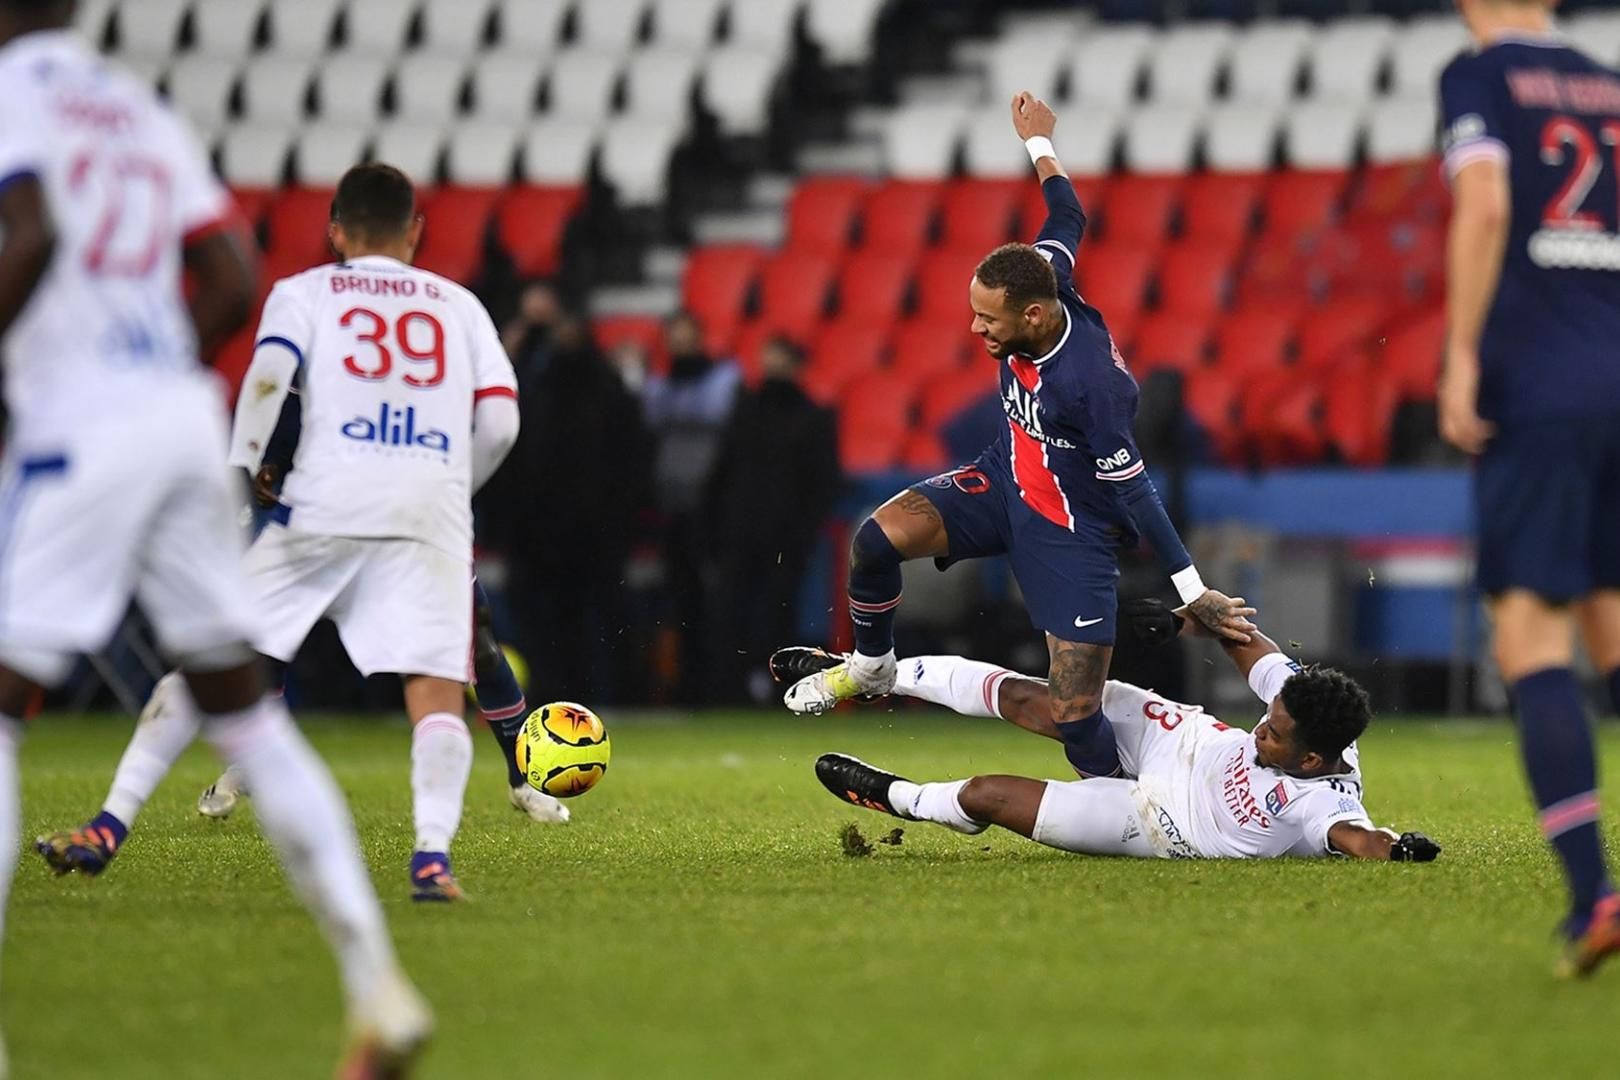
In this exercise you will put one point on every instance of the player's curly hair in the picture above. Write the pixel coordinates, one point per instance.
(374, 200)
(1022, 271)
(1330, 709)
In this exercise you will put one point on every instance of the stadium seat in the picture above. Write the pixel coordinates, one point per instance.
(90, 18)
(980, 213)
(453, 238)
(153, 29)
(301, 28)
(822, 211)
(635, 156)
(609, 25)
(923, 452)
(899, 216)
(255, 155)
(324, 152)
(295, 229)
(1359, 414)
(718, 279)
(200, 88)
(1091, 148)
(942, 283)
(685, 23)
(1161, 139)
(925, 349)
(1140, 208)
(253, 204)
(844, 351)
(1170, 340)
(645, 332)
(1596, 33)
(659, 82)
(1195, 278)
(873, 285)
(1186, 62)
(990, 150)
(1421, 50)
(738, 81)
(1280, 414)
(1092, 192)
(480, 154)
(1108, 64)
(873, 422)
(843, 28)
(943, 398)
(351, 89)
(1024, 61)
(1391, 257)
(1298, 200)
(1220, 208)
(377, 26)
(274, 87)
(1266, 60)
(1410, 354)
(506, 85)
(1322, 135)
(414, 149)
(1400, 129)
(1278, 268)
(530, 222)
(1406, 191)
(794, 287)
(1113, 277)
(1346, 58)
(920, 141)
(1339, 328)
(455, 27)
(1255, 340)
(748, 348)
(765, 26)
(532, 25)
(557, 151)
(582, 82)
(225, 28)
(1241, 137)
(1210, 397)
(428, 86)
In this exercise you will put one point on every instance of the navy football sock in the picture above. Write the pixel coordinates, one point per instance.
(1090, 746)
(1556, 744)
(500, 698)
(874, 589)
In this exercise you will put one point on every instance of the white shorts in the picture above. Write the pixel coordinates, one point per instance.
(1100, 816)
(1148, 728)
(401, 606)
(136, 504)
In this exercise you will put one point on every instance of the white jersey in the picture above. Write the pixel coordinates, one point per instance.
(392, 360)
(125, 184)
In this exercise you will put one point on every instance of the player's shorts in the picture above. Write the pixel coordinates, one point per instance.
(1101, 816)
(133, 504)
(1547, 496)
(1068, 580)
(401, 606)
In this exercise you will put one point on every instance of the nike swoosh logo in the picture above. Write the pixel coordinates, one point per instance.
(1081, 624)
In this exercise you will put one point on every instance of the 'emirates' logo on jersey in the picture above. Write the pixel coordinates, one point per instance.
(393, 426)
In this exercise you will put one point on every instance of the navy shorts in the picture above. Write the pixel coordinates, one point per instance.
(1068, 579)
(1547, 496)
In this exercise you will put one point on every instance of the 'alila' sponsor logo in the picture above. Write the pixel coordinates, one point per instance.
(393, 426)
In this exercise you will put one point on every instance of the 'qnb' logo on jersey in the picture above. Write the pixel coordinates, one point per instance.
(1022, 409)
(394, 426)
(1118, 459)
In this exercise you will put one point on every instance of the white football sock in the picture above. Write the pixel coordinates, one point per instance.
(441, 761)
(969, 687)
(233, 781)
(168, 725)
(304, 817)
(11, 736)
(934, 802)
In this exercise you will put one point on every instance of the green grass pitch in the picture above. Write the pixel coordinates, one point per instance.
(699, 919)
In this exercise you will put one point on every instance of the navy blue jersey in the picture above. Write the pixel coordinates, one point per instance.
(1551, 343)
(1071, 413)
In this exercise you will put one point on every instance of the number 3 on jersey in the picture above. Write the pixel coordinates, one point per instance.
(411, 330)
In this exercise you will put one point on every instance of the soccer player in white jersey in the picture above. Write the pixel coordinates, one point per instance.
(113, 484)
(1192, 786)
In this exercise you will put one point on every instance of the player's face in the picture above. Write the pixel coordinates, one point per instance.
(1003, 328)
(1275, 746)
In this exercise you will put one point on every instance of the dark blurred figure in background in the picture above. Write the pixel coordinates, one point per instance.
(776, 482)
(687, 412)
(527, 334)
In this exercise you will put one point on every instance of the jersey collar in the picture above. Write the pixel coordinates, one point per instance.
(1068, 325)
(1545, 39)
(375, 262)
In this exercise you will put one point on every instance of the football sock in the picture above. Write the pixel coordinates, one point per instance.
(11, 735)
(1614, 690)
(874, 589)
(500, 700)
(160, 738)
(1090, 746)
(441, 759)
(1556, 744)
(934, 802)
(969, 687)
(304, 817)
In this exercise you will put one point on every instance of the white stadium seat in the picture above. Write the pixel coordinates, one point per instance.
(324, 152)
(481, 154)
(1401, 129)
(989, 147)
(506, 85)
(413, 148)
(150, 27)
(349, 86)
(144, 66)
(1347, 56)
(685, 22)
(533, 24)
(1160, 138)
(764, 24)
(1421, 50)
(254, 155)
(91, 17)
(302, 27)
(454, 26)
(635, 157)
(1265, 61)
(843, 28)
(557, 150)
(273, 87)
(1108, 64)
(920, 140)
(737, 85)
(200, 87)
(659, 83)
(1241, 136)
(378, 26)
(1596, 33)
(609, 24)
(582, 81)
(1025, 62)
(427, 86)
(1322, 134)
(225, 27)
(1089, 149)
(1186, 63)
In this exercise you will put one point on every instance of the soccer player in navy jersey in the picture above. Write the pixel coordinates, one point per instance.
(1059, 493)
(1531, 385)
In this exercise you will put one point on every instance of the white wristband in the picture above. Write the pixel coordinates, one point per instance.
(1039, 146)
(1188, 584)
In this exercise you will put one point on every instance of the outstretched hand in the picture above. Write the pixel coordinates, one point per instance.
(1223, 616)
(1031, 116)
(1414, 847)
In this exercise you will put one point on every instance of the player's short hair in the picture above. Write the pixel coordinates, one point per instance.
(375, 201)
(1022, 271)
(1330, 709)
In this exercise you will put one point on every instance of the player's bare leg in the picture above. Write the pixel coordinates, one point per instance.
(441, 761)
(906, 527)
(1075, 687)
(1599, 616)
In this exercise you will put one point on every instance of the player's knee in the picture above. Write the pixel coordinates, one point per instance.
(872, 550)
(982, 797)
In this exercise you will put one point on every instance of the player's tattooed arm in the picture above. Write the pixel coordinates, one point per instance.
(1075, 680)
(1223, 616)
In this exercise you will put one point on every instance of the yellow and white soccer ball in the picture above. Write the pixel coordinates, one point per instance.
(563, 749)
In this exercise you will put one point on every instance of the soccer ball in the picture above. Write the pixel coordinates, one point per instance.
(563, 749)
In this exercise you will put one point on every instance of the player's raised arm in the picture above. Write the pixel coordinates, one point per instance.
(1034, 121)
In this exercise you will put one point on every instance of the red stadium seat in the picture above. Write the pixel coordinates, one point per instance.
(1410, 355)
(1255, 340)
(457, 225)
(717, 281)
(644, 331)
(1299, 201)
(924, 453)
(253, 204)
(793, 291)
(1360, 413)
(1340, 327)
(1220, 208)
(1408, 191)
(1140, 209)
(1210, 397)
(898, 217)
(1113, 277)
(944, 398)
(1281, 419)
(1395, 258)
(295, 231)
(843, 351)
(981, 214)
(874, 420)
(1195, 278)
(873, 285)
(927, 349)
(530, 222)
(1277, 270)
(1091, 190)
(942, 284)
(1123, 324)
(1169, 340)
(822, 212)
